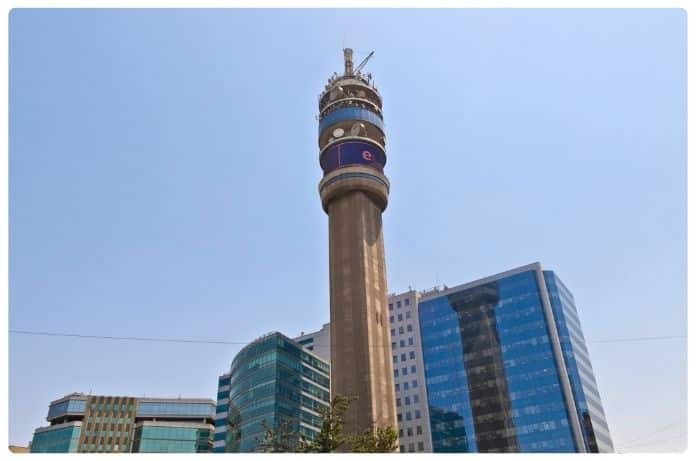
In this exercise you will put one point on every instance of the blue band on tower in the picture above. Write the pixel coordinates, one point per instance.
(351, 113)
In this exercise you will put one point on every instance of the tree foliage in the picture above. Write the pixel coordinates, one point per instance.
(282, 439)
(376, 440)
(331, 437)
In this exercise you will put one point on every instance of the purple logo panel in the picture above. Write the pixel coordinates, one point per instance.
(353, 153)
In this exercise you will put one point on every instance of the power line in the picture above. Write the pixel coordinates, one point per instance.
(656, 431)
(644, 338)
(644, 440)
(652, 443)
(212, 341)
(127, 338)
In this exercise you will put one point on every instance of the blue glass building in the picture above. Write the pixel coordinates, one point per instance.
(113, 424)
(507, 369)
(273, 380)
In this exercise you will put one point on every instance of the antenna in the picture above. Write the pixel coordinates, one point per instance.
(364, 61)
(348, 61)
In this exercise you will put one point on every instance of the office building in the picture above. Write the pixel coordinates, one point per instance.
(507, 369)
(486, 375)
(272, 380)
(113, 424)
(354, 192)
(409, 377)
(318, 342)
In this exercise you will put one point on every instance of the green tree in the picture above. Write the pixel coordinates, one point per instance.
(331, 436)
(282, 439)
(376, 440)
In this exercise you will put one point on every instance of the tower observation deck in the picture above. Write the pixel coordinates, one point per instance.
(354, 192)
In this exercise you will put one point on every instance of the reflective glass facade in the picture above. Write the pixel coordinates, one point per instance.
(171, 439)
(205, 410)
(62, 439)
(492, 379)
(72, 406)
(276, 381)
(107, 424)
(221, 413)
(589, 405)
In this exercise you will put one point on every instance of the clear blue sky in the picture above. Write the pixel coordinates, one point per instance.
(164, 170)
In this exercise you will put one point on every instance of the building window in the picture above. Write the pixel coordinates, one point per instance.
(410, 341)
(406, 386)
(398, 417)
(408, 314)
(411, 449)
(408, 416)
(398, 402)
(391, 319)
(398, 304)
(394, 345)
(412, 355)
(396, 387)
(419, 430)
(407, 302)
(393, 358)
(393, 331)
(414, 383)
(409, 432)
(401, 449)
(403, 357)
(391, 306)
(415, 398)
(396, 372)
(400, 317)
(417, 413)
(401, 432)
(401, 330)
(404, 371)
(420, 446)
(401, 343)
(409, 327)
(407, 400)
(413, 368)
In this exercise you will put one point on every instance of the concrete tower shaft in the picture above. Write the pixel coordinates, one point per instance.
(354, 192)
